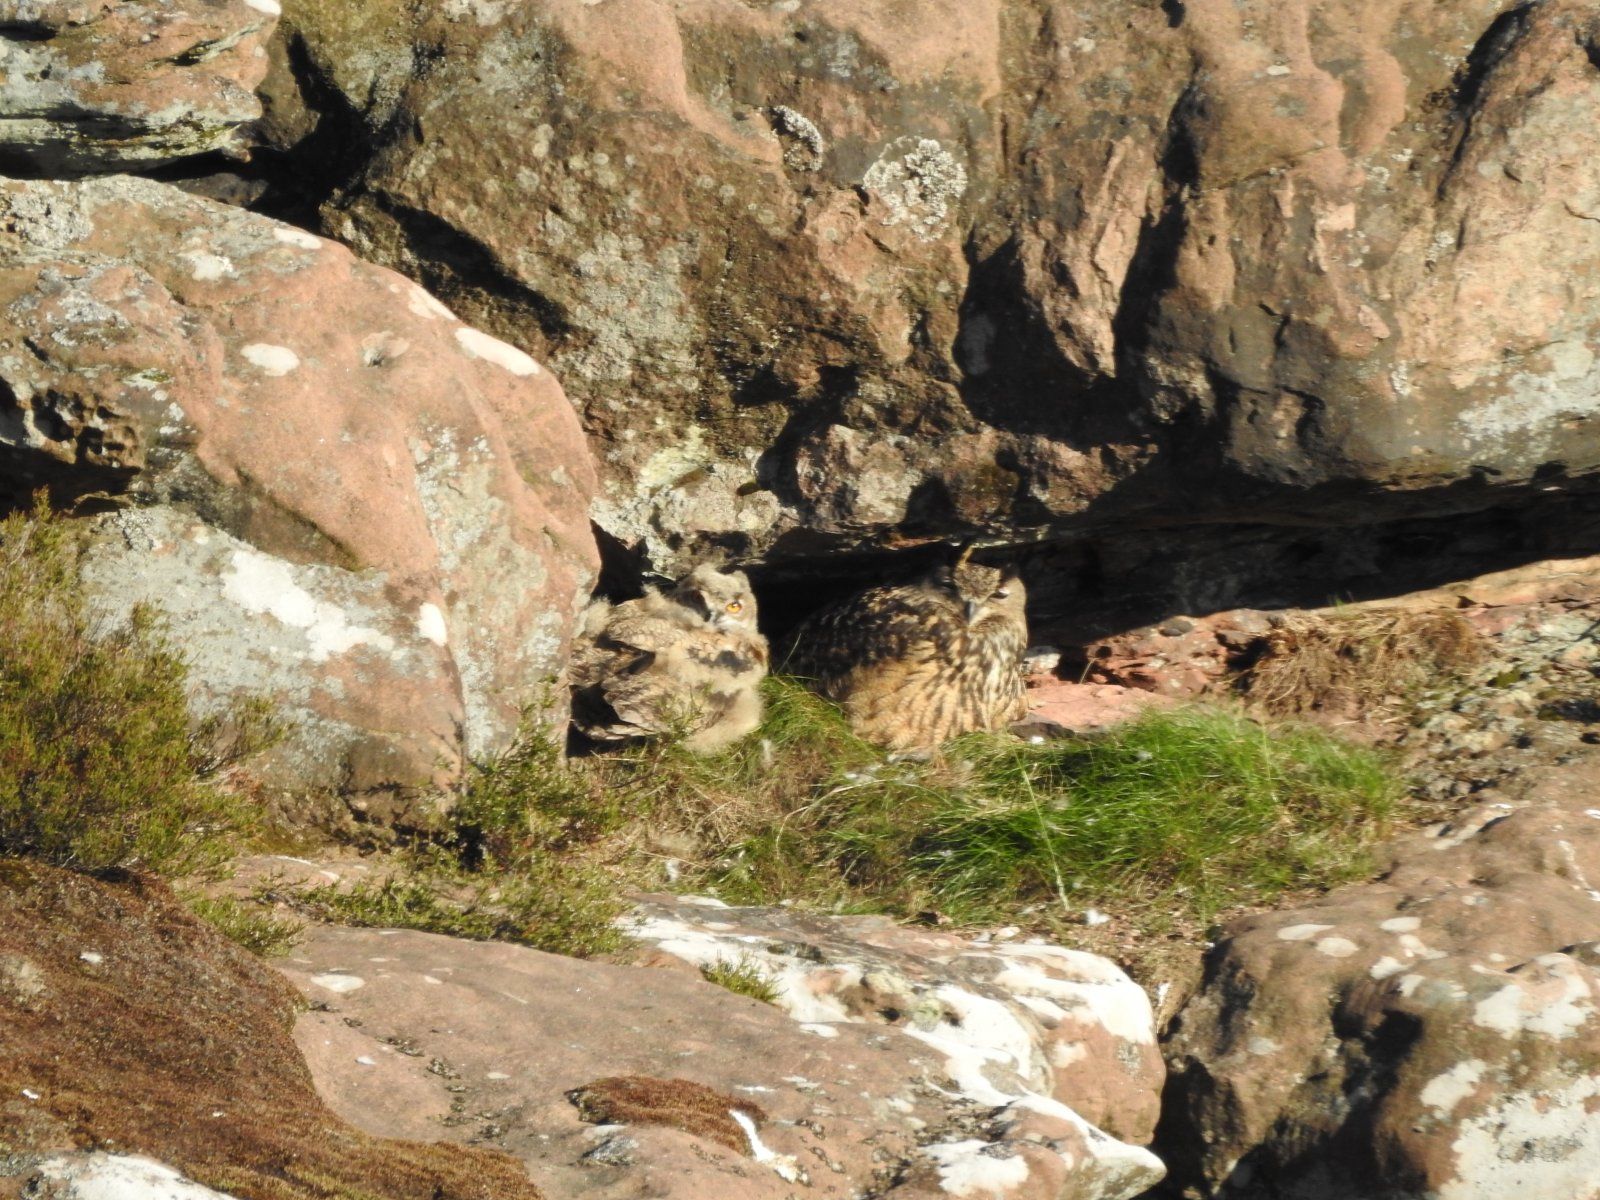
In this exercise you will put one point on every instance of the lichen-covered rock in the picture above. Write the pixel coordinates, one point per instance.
(1434, 1034)
(1059, 1022)
(421, 1035)
(341, 498)
(108, 85)
(836, 273)
(150, 1033)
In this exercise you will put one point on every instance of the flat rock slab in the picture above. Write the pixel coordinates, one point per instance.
(1062, 709)
(481, 1042)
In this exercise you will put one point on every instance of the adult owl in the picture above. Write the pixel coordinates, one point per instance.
(915, 664)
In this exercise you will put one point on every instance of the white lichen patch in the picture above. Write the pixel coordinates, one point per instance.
(1299, 933)
(431, 625)
(1336, 947)
(478, 344)
(99, 1176)
(791, 977)
(339, 983)
(803, 145)
(300, 238)
(259, 583)
(1078, 980)
(1401, 925)
(1555, 1004)
(1532, 406)
(975, 1168)
(918, 181)
(272, 360)
(1443, 1092)
(207, 267)
(992, 1051)
(271, 7)
(975, 1030)
(1535, 1143)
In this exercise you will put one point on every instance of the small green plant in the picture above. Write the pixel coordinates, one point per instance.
(257, 931)
(99, 765)
(743, 978)
(502, 873)
(559, 907)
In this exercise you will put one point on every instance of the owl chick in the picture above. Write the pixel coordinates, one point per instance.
(689, 658)
(916, 664)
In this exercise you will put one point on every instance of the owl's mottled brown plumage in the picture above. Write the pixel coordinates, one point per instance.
(916, 664)
(688, 658)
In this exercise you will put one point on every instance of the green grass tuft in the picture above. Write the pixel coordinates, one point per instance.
(743, 978)
(257, 931)
(559, 907)
(100, 766)
(1185, 814)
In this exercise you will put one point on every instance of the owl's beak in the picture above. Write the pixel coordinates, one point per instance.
(972, 611)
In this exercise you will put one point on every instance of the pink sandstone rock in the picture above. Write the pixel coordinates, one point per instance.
(340, 496)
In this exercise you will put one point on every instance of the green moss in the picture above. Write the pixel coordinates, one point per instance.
(99, 764)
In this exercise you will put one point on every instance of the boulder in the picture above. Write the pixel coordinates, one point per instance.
(126, 1024)
(339, 497)
(114, 85)
(620, 1081)
(852, 274)
(1433, 1034)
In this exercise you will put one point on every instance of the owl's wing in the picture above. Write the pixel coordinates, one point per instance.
(718, 661)
(884, 623)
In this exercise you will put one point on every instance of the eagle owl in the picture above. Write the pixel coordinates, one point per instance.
(687, 658)
(916, 664)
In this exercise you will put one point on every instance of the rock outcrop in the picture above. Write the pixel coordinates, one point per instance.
(892, 1063)
(106, 85)
(1434, 1034)
(841, 274)
(126, 1023)
(340, 497)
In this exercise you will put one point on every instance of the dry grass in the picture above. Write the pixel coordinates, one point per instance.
(1367, 665)
(677, 1103)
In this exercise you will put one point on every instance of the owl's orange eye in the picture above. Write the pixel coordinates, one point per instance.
(735, 606)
